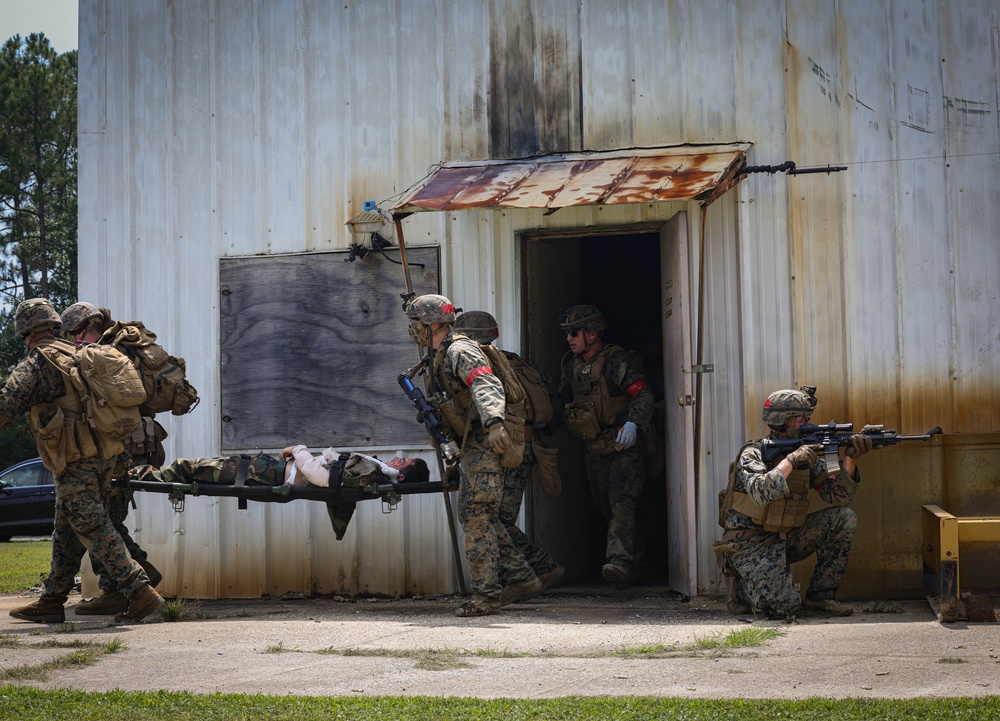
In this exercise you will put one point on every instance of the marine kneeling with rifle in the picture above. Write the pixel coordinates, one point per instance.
(765, 514)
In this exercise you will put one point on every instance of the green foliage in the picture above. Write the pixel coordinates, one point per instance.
(22, 564)
(38, 195)
(31, 704)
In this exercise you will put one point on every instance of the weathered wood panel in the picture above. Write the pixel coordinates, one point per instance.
(311, 347)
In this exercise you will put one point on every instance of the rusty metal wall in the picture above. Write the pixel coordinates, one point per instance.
(211, 128)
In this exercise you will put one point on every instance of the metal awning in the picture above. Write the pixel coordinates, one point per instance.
(563, 180)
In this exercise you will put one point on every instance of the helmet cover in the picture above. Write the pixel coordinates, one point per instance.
(478, 325)
(33, 315)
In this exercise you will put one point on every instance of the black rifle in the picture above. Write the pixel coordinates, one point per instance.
(831, 437)
(428, 415)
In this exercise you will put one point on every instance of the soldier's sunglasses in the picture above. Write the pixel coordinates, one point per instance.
(574, 332)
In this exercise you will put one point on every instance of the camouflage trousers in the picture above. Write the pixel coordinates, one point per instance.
(82, 524)
(118, 501)
(262, 471)
(514, 482)
(763, 563)
(616, 480)
(488, 546)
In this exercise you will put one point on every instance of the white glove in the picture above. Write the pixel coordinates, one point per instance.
(626, 435)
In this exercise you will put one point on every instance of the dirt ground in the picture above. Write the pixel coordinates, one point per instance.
(576, 641)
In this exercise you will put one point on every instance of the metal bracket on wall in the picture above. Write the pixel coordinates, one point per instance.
(703, 368)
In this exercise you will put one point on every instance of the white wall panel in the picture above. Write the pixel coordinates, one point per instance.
(217, 128)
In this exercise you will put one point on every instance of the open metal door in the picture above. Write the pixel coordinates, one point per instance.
(679, 402)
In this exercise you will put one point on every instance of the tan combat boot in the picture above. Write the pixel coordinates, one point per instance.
(478, 606)
(108, 603)
(734, 599)
(828, 605)
(521, 591)
(44, 610)
(551, 578)
(616, 575)
(143, 602)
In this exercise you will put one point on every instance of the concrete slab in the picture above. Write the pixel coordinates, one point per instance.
(566, 642)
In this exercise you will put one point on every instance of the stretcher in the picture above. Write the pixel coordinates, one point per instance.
(390, 493)
(341, 496)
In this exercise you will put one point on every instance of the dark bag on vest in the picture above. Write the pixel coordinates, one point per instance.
(163, 376)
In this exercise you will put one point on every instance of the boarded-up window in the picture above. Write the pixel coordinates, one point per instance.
(312, 347)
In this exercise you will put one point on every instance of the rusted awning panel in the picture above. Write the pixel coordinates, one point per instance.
(638, 175)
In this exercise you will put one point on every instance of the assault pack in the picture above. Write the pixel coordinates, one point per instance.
(164, 377)
(100, 409)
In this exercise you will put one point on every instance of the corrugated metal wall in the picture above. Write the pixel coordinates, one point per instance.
(212, 128)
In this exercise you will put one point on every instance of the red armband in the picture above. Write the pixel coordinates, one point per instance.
(633, 390)
(477, 372)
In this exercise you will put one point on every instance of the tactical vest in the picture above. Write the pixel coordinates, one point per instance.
(593, 414)
(449, 394)
(62, 430)
(780, 515)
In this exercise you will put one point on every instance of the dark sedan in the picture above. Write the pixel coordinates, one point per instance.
(27, 500)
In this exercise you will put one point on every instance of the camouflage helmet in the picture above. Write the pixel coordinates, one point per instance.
(34, 315)
(587, 317)
(478, 325)
(784, 404)
(431, 309)
(77, 315)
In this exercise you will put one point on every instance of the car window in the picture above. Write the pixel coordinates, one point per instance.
(25, 476)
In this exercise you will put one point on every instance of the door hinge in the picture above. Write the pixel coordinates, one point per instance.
(703, 368)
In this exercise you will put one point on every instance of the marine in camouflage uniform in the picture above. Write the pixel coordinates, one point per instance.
(84, 322)
(762, 559)
(604, 399)
(458, 365)
(81, 516)
(482, 327)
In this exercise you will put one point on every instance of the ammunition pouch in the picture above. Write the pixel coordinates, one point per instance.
(603, 444)
(581, 420)
(785, 514)
(453, 414)
(62, 440)
(547, 469)
(789, 512)
(513, 456)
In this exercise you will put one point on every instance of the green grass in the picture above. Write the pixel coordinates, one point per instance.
(30, 704)
(23, 564)
(84, 653)
(740, 638)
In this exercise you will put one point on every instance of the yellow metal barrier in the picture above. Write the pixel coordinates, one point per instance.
(944, 535)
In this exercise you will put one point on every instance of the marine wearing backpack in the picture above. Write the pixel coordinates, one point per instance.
(99, 410)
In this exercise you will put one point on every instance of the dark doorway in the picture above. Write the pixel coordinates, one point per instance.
(620, 274)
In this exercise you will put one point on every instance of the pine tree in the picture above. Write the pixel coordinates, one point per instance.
(38, 218)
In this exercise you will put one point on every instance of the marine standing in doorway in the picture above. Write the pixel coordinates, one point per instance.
(606, 402)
